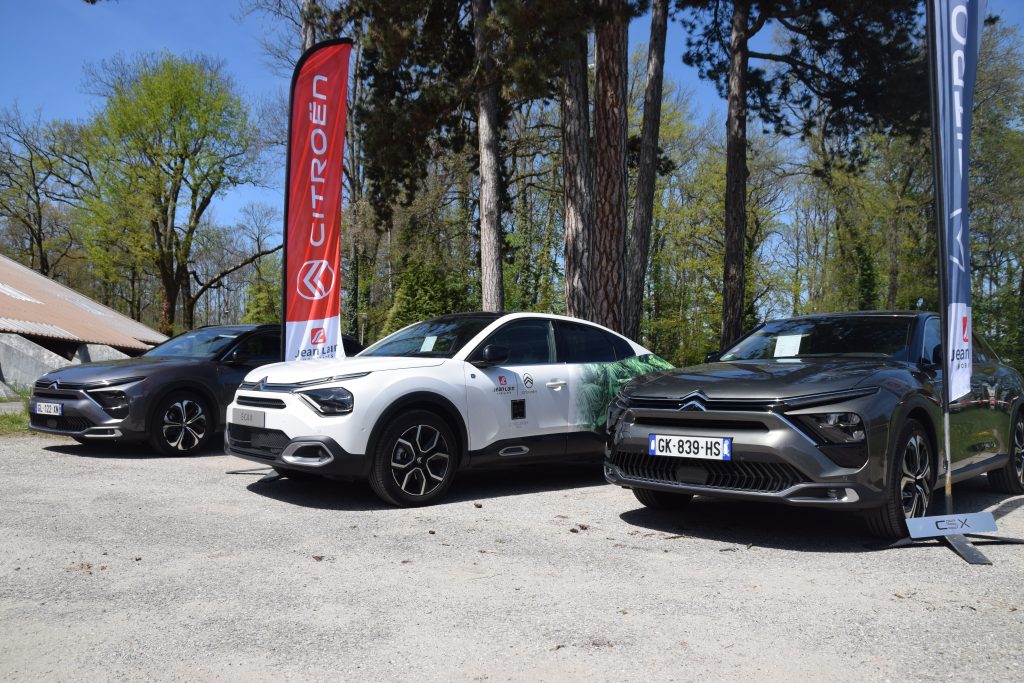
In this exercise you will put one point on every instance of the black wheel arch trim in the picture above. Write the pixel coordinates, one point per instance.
(918, 403)
(425, 400)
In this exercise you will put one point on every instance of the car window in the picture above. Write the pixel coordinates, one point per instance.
(982, 354)
(623, 349)
(932, 339)
(265, 346)
(438, 338)
(857, 335)
(529, 342)
(584, 344)
(202, 343)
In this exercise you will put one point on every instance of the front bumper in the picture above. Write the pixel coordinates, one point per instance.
(772, 460)
(80, 416)
(314, 454)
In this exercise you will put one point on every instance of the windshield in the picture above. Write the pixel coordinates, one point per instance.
(439, 338)
(856, 336)
(205, 343)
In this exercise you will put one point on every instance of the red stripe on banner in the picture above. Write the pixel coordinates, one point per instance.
(312, 277)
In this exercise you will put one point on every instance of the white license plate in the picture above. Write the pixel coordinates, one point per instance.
(49, 408)
(248, 418)
(703, 447)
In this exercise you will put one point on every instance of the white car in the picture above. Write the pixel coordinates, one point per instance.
(463, 390)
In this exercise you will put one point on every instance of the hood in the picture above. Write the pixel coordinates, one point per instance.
(762, 379)
(292, 372)
(105, 371)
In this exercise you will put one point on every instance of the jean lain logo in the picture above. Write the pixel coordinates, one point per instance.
(317, 336)
(315, 280)
(964, 326)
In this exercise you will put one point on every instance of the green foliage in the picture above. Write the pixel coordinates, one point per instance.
(13, 423)
(263, 292)
(172, 136)
(427, 290)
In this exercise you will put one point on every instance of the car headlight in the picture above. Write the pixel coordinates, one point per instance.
(837, 427)
(114, 402)
(329, 400)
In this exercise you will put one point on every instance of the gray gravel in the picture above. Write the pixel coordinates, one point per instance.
(118, 564)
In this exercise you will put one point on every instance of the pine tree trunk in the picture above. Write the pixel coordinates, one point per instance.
(736, 179)
(308, 29)
(639, 241)
(577, 180)
(610, 121)
(491, 281)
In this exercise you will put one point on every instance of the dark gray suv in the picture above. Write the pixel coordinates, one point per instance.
(173, 396)
(838, 410)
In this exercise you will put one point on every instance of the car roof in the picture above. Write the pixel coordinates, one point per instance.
(858, 314)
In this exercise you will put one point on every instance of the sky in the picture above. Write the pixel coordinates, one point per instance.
(48, 42)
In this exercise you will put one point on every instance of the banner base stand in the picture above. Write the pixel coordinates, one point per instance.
(271, 476)
(958, 543)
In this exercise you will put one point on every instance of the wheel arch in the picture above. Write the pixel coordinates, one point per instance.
(929, 416)
(424, 400)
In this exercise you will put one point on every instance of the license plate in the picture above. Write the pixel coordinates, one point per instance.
(703, 447)
(49, 409)
(248, 418)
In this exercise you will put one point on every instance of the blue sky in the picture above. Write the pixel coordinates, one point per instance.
(47, 42)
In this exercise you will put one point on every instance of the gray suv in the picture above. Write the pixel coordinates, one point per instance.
(173, 396)
(829, 411)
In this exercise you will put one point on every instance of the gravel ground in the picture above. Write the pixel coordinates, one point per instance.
(117, 564)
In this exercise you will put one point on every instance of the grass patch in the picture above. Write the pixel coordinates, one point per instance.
(14, 423)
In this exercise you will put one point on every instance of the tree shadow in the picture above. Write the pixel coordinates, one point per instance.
(115, 450)
(787, 527)
(469, 485)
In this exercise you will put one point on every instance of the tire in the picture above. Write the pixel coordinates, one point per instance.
(662, 500)
(909, 483)
(1010, 478)
(414, 460)
(181, 424)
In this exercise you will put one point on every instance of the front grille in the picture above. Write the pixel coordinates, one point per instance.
(764, 477)
(264, 443)
(725, 426)
(63, 423)
(52, 394)
(260, 402)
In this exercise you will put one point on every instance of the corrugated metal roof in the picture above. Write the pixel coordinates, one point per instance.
(33, 304)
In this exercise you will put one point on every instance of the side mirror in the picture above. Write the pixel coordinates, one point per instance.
(493, 355)
(236, 357)
(937, 356)
(712, 357)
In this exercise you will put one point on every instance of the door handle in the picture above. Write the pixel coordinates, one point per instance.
(556, 384)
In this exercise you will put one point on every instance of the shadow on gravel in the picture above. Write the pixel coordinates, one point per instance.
(799, 529)
(758, 524)
(326, 494)
(127, 451)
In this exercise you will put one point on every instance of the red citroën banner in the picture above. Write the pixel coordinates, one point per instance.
(312, 226)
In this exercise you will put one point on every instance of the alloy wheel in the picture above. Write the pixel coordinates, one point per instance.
(184, 424)
(420, 460)
(915, 477)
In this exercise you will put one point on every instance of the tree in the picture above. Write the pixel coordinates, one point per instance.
(863, 59)
(607, 270)
(37, 227)
(172, 136)
(639, 238)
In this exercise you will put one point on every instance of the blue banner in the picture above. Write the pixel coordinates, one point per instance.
(955, 38)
